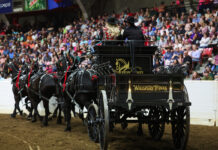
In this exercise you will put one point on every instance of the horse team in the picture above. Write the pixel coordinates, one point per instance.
(71, 86)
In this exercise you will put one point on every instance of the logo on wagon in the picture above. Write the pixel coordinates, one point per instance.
(123, 67)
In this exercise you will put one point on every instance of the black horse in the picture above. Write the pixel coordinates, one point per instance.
(19, 77)
(43, 86)
(82, 89)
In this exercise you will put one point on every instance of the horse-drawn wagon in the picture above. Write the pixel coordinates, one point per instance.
(134, 94)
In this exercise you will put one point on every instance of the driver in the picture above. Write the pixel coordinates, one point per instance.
(132, 32)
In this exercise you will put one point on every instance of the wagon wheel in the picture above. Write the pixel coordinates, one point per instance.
(180, 125)
(92, 125)
(104, 120)
(156, 123)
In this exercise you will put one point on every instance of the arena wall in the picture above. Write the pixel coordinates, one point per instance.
(202, 94)
(204, 98)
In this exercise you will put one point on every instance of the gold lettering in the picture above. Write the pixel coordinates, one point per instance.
(149, 88)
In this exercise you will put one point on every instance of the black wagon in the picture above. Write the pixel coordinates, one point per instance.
(134, 94)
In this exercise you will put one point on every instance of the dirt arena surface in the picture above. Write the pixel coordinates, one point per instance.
(20, 134)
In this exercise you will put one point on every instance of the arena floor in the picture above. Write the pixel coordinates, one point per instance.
(21, 134)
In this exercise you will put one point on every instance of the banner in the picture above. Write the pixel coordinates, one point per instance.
(52, 4)
(31, 5)
(5, 6)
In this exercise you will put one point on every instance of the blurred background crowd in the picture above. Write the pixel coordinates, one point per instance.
(181, 35)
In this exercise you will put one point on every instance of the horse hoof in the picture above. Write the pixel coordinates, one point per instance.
(41, 118)
(68, 129)
(139, 133)
(45, 124)
(13, 115)
(50, 118)
(124, 125)
(34, 120)
(85, 122)
(29, 118)
(54, 116)
(59, 121)
(21, 113)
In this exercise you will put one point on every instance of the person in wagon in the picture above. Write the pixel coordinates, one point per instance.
(112, 30)
(132, 32)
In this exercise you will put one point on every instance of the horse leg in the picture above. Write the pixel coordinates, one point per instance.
(29, 117)
(55, 112)
(26, 103)
(45, 121)
(59, 119)
(68, 117)
(34, 118)
(18, 107)
(36, 113)
(30, 113)
(13, 115)
(73, 110)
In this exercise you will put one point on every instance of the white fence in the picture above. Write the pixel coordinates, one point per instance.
(204, 98)
(202, 94)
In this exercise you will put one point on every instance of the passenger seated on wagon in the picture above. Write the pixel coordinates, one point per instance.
(112, 31)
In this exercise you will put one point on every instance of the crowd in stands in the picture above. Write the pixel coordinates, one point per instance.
(181, 35)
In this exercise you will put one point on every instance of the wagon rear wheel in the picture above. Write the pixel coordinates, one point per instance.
(180, 127)
(180, 121)
(156, 123)
(92, 125)
(104, 120)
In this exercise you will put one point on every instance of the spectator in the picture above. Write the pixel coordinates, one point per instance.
(206, 76)
(211, 64)
(47, 57)
(208, 69)
(6, 51)
(187, 58)
(168, 56)
(162, 7)
(195, 76)
(216, 63)
(174, 29)
(11, 54)
(216, 77)
(214, 40)
(196, 54)
(205, 40)
(2, 62)
(180, 59)
(176, 53)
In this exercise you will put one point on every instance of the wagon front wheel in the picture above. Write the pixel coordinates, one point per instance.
(104, 120)
(92, 125)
